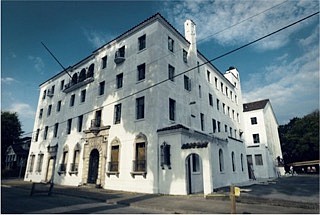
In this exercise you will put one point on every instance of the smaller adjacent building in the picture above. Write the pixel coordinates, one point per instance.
(16, 158)
(264, 155)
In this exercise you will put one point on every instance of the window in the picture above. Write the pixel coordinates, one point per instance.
(187, 83)
(76, 156)
(200, 93)
(172, 109)
(218, 104)
(198, 66)
(208, 76)
(195, 163)
(219, 126)
(225, 128)
(63, 165)
(227, 93)
(221, 87)
(31, 162)
(49, 110)
(55, 131)
(231, 97)
(233, 162)
(258, 160)
(80, 120)
(83, 96)
(39, 163)
(72, 98)
(216, 82)
(238, 118)
(185, 56)
(256, 138)
(142, 42)
(90, 71)
(117, 114)
(140, 108)
(221, 160)
(241, 158)
(44, 94)
(170, 44)
(37, 135)
(233, 114)
(230, 129)
(62, 85)
(59, 106)
(236, 99)
(202, 121)
(97, 120)
(171, 72)
(45, 134)
(120, 52)
(119, 81)
(254, 121)
(141, 72)
(210, 100)
(228, 108)
(69, 123)
(214, 125)
(40, 113)
(104, 62)
(101, 88)
(224, 108)
(114, 163)
(140, 156)
(82, 75)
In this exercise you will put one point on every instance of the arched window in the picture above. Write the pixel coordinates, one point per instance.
(82, 75)
(74, 79)
(90, 71)
(241, 157)
(63, 165)
(140, 154)
(113, 165)
(221, 160)
(233, 164)
(76, 158)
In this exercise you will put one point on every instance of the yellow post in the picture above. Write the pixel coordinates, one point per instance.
(233, 200)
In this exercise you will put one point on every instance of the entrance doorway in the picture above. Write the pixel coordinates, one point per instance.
(194, 176)
(93, 167)
(50, 169)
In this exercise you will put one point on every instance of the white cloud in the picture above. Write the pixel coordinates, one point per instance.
(38, 64)
(24, 110)
(219, 20)
(96, 39)
(8, 80)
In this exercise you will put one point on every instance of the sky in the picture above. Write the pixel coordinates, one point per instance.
(283, 67)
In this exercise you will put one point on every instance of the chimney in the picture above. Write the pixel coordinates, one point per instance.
(190, 34)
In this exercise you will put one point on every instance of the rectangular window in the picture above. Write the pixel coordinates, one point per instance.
(258, 160)
(230, 129)
(202, 121)
(101, 88)
(119, 81)
(37, 135)
(210, 99)
(227, 91)
(59, 106)
(171, 72)
(55, 131)
(187, 83)
(117, 114)
(45, 134)
(221, 87)
(224, 108)
(140, 161)
(32, 157)
(83, 96)
(254, 121)
(40, 113)
(69, 124)
(185, 56)
(216, 82)
(49, 110)
(218, 104)
(44, 94)
(140, 108)
(172, 109)
(236, 99)
(72, 98)
(62, 85)
(219, 126)
(198, 66)
(228, 111)
(226, 128)
(256, 138)
(141, 72)
(200, 93)
(52, 90)
(142, 42)
(170, 44)
(238, 118)
(195, 163)
(233, 114)
(214, 125)
(97, 120)
(231, 97)
(80, 120)
(104, 62)
(39, 163)
(208, 76)
(120, 53)
(114, 163)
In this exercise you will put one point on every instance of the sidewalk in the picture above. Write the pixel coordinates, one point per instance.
(179, 204)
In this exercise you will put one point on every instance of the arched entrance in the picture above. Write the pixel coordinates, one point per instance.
(194, 175)
(93, 166)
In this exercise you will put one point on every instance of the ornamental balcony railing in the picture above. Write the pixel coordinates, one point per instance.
(73, 85)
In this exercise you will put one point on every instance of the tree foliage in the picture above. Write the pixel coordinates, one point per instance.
(10, 131)
(300, 138)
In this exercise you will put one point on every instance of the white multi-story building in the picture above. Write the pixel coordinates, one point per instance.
(146, 112)
(264, 155)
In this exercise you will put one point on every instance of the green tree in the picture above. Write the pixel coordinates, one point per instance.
(10, 131)
(300, 138)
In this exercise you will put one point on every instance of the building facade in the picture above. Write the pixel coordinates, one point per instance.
(146, 112)
(264, 154)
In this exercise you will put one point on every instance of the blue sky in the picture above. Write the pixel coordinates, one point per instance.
(283, 67)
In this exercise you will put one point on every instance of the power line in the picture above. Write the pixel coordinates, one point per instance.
(209, 61)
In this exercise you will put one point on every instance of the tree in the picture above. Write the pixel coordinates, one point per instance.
(10, 131)
(300, 138)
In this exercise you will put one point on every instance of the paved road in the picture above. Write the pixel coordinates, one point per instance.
(17, 201)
